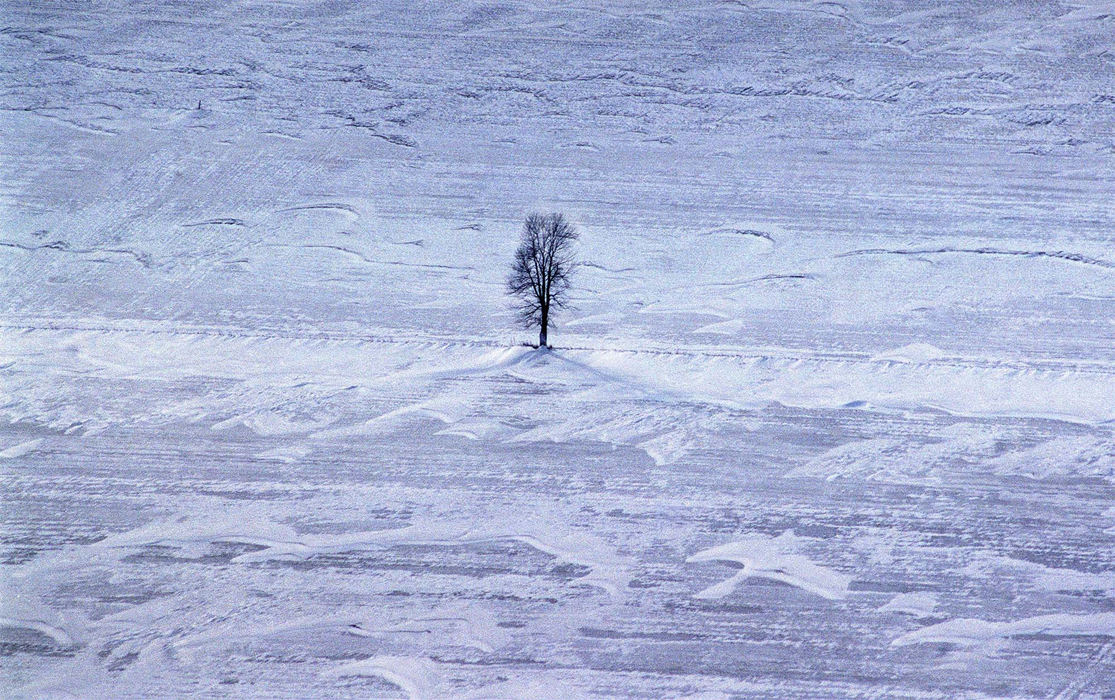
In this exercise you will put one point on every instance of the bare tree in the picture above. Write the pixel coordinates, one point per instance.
(540, 274)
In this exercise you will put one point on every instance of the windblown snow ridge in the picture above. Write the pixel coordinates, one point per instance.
(774, 559)
(607, 570)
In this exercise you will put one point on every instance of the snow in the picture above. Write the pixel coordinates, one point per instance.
(967, 632)
(915, 352)
(21, 449)
(763, 557)
(415, 677)
(606, 569)
(832, 415)
(918, 605)
(422, 679)
(58, 635)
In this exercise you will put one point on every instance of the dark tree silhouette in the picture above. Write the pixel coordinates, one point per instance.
(540, 274)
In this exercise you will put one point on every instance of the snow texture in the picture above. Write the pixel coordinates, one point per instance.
(832, 413)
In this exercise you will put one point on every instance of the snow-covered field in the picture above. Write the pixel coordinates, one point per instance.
(834, 415)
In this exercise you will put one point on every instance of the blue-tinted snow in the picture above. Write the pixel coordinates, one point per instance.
(832, 416)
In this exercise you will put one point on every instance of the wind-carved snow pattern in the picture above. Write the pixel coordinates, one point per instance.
(773, 559)
(704, 390)
(1053, 254)
(919, 605)
(606, 570)
(422, 678)
(21, 449)
(269, 430)
(886, 459)
(971, 633)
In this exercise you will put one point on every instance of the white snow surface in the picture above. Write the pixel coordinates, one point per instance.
(966, 632)
(832, 413)
(767, 558)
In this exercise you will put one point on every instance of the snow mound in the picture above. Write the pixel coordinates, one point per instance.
(920, 604)
(21, 449)
(770, 558)
(417, 677)
(913, 353)
(970, 632)
(1062, 456)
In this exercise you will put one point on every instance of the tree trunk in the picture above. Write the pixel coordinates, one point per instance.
(543, 325)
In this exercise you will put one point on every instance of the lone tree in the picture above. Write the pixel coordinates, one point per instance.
(540, 274)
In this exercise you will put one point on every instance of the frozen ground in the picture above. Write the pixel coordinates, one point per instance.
(834, 417)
